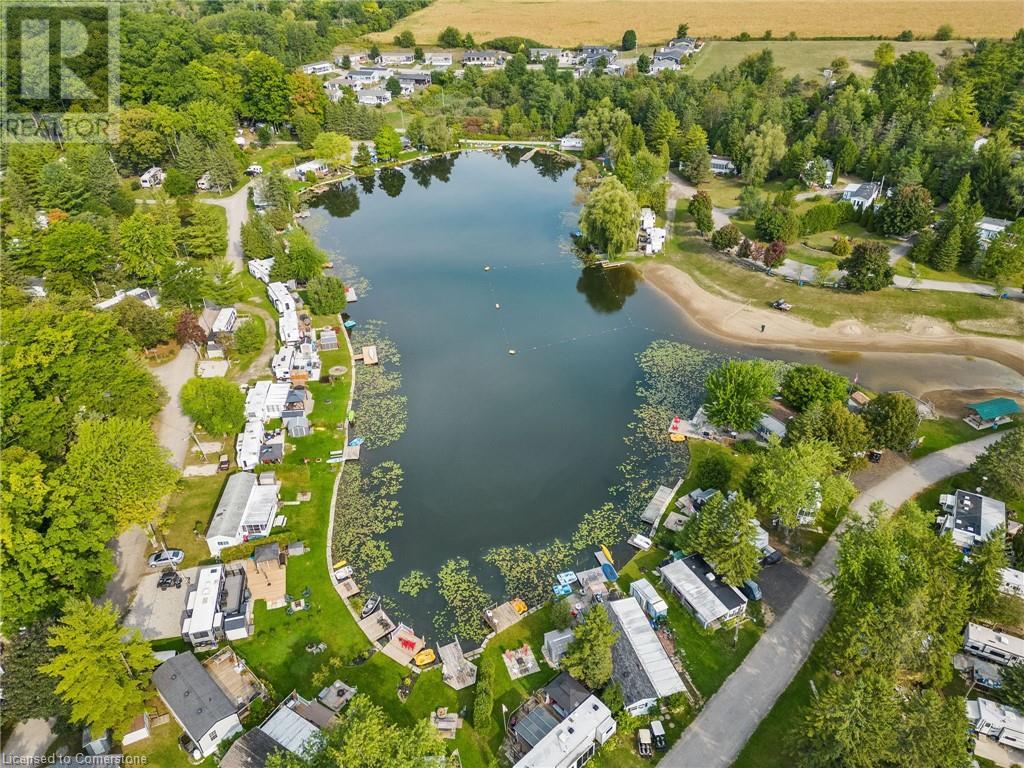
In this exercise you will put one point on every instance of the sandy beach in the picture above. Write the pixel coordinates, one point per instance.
(741, 322)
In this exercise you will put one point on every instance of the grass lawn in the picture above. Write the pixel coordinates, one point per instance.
(961, 274)
(189, 510)
(937, 434)
(852, 230)
(278, 156)
(701, 450)
(725, 190)
(162, 749)
(887, 308)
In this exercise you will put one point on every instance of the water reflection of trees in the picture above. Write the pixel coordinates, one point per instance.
(550, 166)
(368, 183)
(425, 171)
(606, 290)
(341, 201)
(392, 181)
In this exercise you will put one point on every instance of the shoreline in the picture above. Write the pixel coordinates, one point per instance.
(739, 322)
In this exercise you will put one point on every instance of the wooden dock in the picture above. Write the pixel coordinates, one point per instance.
(351, 453)
(529, 154)
(608, 264)
(368, 356)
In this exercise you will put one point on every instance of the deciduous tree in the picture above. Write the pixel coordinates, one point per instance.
(724, 532)
(867, 267)
(589, 656)
(610, 217)
(892, 420)
(326, 295)
(806, 384)
(216, 405)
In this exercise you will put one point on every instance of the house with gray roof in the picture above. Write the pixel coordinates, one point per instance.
(640, 665)
(199, 705)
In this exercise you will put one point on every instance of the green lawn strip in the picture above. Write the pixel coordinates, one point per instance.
(889, 307)
(945, 432)
(709, 656)
(188, 515)
(772, 744)
(161, 748)
(256, 293)
(278, 156)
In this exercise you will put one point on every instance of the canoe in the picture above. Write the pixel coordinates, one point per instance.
(369, 606)
(607, 554)
(425, 657)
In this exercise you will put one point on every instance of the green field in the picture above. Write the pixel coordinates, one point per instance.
(807, 58)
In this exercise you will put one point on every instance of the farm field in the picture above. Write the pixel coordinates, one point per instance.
(573, 22)
(807, 58)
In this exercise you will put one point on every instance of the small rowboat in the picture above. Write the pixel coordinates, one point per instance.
(424, 657)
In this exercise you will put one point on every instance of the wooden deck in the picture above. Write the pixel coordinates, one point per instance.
(404, 654)
(503, 616)
(348, 588)
(266, 581)
(457, 671)
(368, 355)
(377, 625)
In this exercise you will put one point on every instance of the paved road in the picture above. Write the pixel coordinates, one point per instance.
(720, 731)
(237, 208)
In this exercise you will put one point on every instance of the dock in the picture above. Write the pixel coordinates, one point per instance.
(376, 626)
(350, 295)
(656, 506)
(456, 670)
(608, 264)
(351, 453)
(503, 616)
(368, 356)
(529, 154)
(403, 645)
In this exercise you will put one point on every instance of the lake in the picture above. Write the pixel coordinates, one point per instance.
(500, 448)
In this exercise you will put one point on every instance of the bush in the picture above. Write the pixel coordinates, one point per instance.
(726, 237)
(774, 254)
(713, 472)
(177, 183)
(841, 247)
(777, 223)
(820, 218)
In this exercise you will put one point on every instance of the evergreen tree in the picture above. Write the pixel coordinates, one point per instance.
(589, 657)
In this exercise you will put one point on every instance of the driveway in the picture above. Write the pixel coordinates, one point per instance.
(780, 585)
(682, 190)
(718, 734)
(237, 208)
(157, 613)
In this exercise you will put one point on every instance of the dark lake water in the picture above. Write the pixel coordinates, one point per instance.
(502, 449)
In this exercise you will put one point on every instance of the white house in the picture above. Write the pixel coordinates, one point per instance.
(247, 445)
(1004, 724)
(266, 399)
(317, 167)
(971, 517)
(647, 596)
(246, 510)
(484, 58)
(998, 647)
(218, 606)
(564, 56)
(662, 64)
(722, 165)
(336, 86)
(591, 53)
(368, 75)
(673, 56)
(318, 68)
(225, 321)
(280, 296)
(147, 296)
(288, 327)
(192, 696)
(571, 143)
(988, 229)
(707, 597)
(417, 77)
(260, 269)
(438, 58)
(862, 195)
(392, 58)
(640, 664)
(153, 177)
(564, 730)
(1012, 582)
(375, 97)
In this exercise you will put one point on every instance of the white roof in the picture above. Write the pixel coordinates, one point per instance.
(1013, 580)
(278, 291)
(643, 588)
(207, 598)
(1008, 643)
(655, 662)
(772, 425)
(995, 715)
(289, 325)
(266, 395)
(700, 597)
(225, 320)
(247, 445)
(290, 729)
(572, 735)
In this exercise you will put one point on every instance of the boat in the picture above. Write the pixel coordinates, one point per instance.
(567, 577)
(350, 324)
(608, 554)
(425, 657)
(610, 574)
(675, 437)
(356, 441)
(562, 590)
(372, 604)
(519, 605)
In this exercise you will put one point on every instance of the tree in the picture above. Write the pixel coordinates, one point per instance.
(831, 421)
(777, 222)
(205, 236)
(693, 156)
(1012, 689)
(944, 32)
(737, 392)
(763, 150)
(146, 245)
(700, 209)
(393, 87)
(892, 420)
(884, 55)
(682, 30)
(629, 40)
(249, 336)
(751, 203)
(264, 88)
(726, 237)
(118, 458)
(643, 63)
(842, 247)
(405, 39)
(1004, 258)
(217, 405)
(806, 384)
(334, 148)
(609, 218)
(187, 330)
(450, 37)
(924, 245)
(326, 295)
(388, 143)
(374, 52)
(1000, 464)
(867, 267)
(301, 262)
(148, 326)
(259, 240)
(346, 62)
(908, 210)
(363, 157)
(713, 471)
(946, 254)
(589, 656)
(788, 482)
(774, 254)
(220, 283)
(102, 671)
(76, 247)
(28, 693)
(560, 613)
(483, 695)
(983, 571)
(724, 533)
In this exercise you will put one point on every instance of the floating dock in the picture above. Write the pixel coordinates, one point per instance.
(368, 355)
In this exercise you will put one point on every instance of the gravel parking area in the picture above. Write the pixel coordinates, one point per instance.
(780, 584)
(157, 613)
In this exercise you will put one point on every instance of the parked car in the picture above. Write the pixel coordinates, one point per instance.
(223, 463)
(168, 579)
(874, 456)
(166, 557)
(771, 556)
(254, 170)
(751, 590)
(782, 305)
(643, 743)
